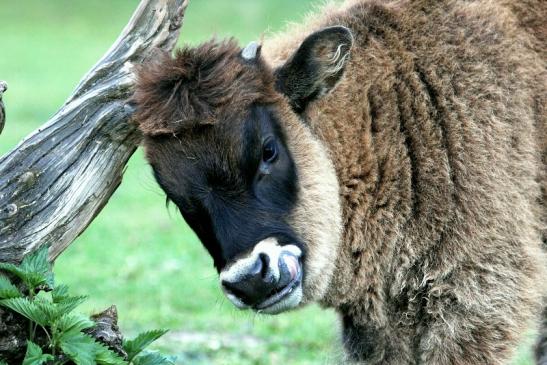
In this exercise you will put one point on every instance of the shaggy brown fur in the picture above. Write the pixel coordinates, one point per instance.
(437, 133)
(199, 86)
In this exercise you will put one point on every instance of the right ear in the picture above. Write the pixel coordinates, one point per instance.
(316, 66)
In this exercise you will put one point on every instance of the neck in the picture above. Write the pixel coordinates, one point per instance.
(364, 138)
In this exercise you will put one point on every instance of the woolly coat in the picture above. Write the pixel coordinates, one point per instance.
(435, 138)
(438, 135)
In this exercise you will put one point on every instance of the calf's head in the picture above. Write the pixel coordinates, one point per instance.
(228, 142)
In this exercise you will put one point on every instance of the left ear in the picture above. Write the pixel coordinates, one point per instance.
(316, 66)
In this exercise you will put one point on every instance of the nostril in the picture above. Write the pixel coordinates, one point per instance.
(232, 288)
(252, 284)
(265, 261)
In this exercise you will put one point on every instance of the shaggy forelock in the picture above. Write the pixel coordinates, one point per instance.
(200, 85)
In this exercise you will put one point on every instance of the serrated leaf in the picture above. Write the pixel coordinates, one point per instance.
(54, 311)
(48, 308)
(26, 308)
(68, 304)
(84, 350)
(37, 268)
(34, 355)
(153, 358)
(7, 289)
(59, 293)
(36, 261)
(35, 280)
(139, 343)
(79, 347)
(74, 322)
(34, 271)
(13, 269)
(105, 356)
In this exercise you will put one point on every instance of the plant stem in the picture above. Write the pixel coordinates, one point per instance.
(31, 327)
(53, 340)
(47, 334)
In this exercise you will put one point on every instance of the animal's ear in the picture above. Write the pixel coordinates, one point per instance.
(316, 66)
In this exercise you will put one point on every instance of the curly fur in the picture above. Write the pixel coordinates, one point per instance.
(437, 138)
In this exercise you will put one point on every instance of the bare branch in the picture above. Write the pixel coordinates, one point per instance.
(58, 178)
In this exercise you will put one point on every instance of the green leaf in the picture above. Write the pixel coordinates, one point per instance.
(7, 289)
(84, 350)
(105, 356)
(13, 269)
(48, 308)
(26, 308)
(36, 261)
(54, 311)
(153, 358)
(68, 304)
(2, 362)
(35, 280)
(65, 302)
(38, 268)
(59, 293)
(35, 270)
(135, 346)
(79, 347)
(74, 322)
(34, 355)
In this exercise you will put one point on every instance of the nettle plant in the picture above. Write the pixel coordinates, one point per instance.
(57, 328)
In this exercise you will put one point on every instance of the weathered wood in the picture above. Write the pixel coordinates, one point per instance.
(3, 87)
(106, 330)
(58, 178)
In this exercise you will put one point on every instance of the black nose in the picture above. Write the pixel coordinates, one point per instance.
(255, 285)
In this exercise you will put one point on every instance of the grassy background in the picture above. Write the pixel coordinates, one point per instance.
(136, 254)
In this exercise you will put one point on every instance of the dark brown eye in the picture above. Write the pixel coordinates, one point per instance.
(269, 150)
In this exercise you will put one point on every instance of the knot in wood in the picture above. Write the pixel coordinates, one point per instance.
(11, 210)
(27, 179)
(129, 108)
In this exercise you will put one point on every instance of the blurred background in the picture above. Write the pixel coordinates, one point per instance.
(138, 254)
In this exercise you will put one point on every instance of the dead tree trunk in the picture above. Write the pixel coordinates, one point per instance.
(58, 178)
(3, 87)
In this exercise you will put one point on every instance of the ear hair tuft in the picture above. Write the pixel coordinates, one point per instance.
(315, 67)
(338, 60)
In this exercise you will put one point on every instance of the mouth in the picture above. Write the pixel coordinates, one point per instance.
(282, 298)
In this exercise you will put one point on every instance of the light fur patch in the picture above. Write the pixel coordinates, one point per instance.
(317, 217)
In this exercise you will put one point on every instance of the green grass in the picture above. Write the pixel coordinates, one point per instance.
(137, 254)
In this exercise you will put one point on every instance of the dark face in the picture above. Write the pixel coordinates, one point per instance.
(236, 184)
(233, 196)
(255, 185)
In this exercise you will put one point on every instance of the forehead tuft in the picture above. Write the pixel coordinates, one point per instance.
(199, 85)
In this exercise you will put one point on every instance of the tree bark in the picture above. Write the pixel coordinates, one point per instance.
(58, 178)
(3, 87)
